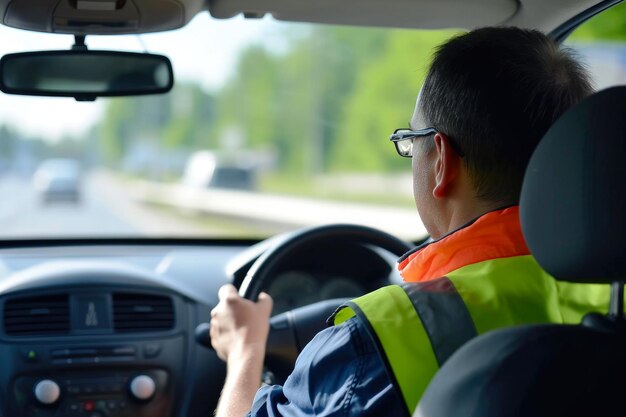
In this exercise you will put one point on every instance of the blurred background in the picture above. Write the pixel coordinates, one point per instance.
(270, 126)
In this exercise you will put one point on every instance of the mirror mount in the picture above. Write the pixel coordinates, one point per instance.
(79, 43)
(85, 97)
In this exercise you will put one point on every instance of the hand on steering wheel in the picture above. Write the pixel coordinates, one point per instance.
(289, 332)
(238, 325)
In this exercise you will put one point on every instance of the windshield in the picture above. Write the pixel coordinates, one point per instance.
(270, 127)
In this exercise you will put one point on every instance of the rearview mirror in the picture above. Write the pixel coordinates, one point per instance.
(85, 74)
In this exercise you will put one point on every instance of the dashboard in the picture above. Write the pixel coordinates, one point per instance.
(108, 330)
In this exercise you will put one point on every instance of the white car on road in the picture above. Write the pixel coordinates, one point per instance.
(58, 180)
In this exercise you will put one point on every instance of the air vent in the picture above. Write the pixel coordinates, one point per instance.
(142, 313)
(37, 316)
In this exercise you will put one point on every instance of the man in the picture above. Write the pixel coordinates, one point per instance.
(488, 98)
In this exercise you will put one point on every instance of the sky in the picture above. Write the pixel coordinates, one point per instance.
(204, 51)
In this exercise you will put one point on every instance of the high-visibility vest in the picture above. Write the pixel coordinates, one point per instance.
(417, 326)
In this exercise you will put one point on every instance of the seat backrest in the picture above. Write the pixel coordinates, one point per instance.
(573, 213)
(532, 371)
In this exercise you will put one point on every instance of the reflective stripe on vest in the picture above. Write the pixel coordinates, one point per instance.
(434, 315)
(418, 326)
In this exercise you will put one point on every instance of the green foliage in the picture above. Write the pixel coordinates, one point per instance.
(248, 101)
(328, 103)
(114, 130)
(180, 119)
(178, 132)
(383, 100)
(190, 119)
(610, 25)
(297, 105)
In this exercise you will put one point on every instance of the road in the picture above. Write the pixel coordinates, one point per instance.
(111, 207)
(104, 211)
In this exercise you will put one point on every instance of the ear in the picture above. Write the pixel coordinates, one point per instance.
(447, 166)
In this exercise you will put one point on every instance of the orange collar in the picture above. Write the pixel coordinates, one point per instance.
(497, 234)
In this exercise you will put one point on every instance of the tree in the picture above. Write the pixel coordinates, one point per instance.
(610, 25)
(382, 101)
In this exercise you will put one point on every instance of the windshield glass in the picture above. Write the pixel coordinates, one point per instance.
(270, 127)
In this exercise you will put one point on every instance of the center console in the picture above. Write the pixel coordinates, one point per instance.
(92, 354)
(120, 394)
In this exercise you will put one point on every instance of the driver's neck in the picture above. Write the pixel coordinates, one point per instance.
(457, 214)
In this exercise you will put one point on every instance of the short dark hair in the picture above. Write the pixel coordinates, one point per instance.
(496, 91)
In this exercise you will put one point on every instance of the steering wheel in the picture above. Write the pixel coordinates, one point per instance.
(292, 330)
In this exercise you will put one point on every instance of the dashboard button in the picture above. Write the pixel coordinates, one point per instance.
(89, 406)
(47, 392)
(142, 387)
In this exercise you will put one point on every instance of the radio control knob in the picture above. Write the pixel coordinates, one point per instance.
(47, 391)
(142, 387)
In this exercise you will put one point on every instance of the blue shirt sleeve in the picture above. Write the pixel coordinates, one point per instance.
(339, 373)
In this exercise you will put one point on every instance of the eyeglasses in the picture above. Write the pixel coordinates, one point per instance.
(403, 139)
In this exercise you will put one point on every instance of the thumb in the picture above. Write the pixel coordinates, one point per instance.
(266, 301)
(226, 290)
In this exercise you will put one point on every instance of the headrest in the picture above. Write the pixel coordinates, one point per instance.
(573, 202)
